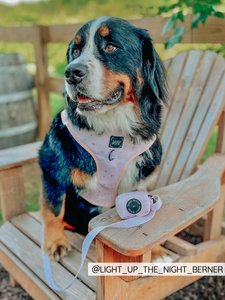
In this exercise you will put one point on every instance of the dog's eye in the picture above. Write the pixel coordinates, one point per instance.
(110, 48)
(76, 52)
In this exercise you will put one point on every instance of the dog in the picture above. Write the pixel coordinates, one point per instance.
(114, 81)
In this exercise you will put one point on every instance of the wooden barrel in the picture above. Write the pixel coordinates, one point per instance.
(18, 117)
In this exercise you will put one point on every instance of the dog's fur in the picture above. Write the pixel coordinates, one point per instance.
(114, 80)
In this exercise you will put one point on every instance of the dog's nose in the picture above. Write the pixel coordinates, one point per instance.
(75, 73)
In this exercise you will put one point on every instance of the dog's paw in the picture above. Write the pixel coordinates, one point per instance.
(56, 247)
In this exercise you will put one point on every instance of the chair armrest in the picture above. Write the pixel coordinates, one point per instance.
(17, 156)
(183, 203)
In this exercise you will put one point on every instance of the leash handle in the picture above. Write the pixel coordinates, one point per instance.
(132, 222)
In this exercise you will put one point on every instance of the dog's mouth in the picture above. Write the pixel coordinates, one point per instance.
(89, 104)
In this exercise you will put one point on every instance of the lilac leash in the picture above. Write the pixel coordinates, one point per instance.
(131, 222)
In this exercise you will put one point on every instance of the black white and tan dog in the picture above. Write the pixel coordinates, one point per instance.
(114, 81)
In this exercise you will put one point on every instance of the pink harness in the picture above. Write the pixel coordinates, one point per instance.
(112, 154)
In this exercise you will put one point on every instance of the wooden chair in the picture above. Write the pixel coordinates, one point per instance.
(197, 89)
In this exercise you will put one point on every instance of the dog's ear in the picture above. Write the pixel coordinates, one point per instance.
(153, 69)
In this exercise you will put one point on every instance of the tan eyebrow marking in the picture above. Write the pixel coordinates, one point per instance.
(104, 31)
(77, 39)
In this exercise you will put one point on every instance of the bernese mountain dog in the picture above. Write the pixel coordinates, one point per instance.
(114, 80)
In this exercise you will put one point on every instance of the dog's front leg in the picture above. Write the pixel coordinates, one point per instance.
(56, 244)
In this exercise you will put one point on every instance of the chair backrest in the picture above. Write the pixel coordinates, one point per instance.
(196, 82)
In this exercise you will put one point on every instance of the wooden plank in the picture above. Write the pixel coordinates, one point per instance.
(140, 289)
(55, 84)
(17, 156)
(178, 103)
(186, 116)
(174, 256)
(198, 118)
(12, 281)
(12, 193)
(176, 69)
(220, 144)
(212, 32)
(120, 258)
(25, 277)
(205, 133)
(28, 252)
(41, 58)
(16, 34)
(213, 222)
(183, 203)
(32, 228)
(75, 239)
(109, 287)
(146, 257)
(61, 33)
(167, 63)
(180, 246)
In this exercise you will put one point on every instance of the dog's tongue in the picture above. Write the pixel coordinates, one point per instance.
(83, 99)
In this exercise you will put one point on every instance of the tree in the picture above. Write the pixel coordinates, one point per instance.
(198, 8)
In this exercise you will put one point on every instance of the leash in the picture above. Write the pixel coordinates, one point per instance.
(136, 208)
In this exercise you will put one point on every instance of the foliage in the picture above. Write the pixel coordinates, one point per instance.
(200, 10)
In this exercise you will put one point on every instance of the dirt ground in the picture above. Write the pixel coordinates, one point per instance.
(10, 293)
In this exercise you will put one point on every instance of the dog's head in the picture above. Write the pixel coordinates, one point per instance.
(113, 66)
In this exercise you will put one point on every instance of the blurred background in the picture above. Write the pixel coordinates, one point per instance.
(20, 13)
(50, 12)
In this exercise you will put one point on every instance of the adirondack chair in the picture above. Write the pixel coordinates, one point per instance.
(197, 88)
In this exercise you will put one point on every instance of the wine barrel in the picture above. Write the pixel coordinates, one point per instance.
(18, 117)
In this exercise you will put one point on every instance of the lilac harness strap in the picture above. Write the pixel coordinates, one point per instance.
(112, 154)
(131, 222)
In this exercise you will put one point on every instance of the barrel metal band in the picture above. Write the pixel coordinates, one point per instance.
(18, 96)
(18, 129)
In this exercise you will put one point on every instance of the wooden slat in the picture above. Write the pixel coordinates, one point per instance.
(28, 252)
(186, 116)
(25, 277)
(176, 69)
(32, 228)
(17, 156)
(220, 145)
(205, 133)
(75, 239)
(213, 222)
(110, 287)
(55, 84)
(193, 131)
(167, 63)
(180, 98)
(212, 32)
(174, 256)
(161, 287)
(16, 34)
(41, 81)
(12, 193)
(198, 227)
(183, 203)
(180, 246)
